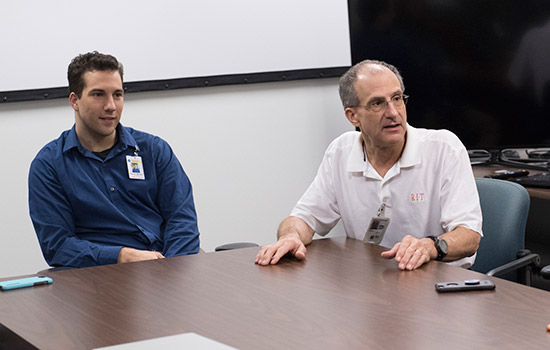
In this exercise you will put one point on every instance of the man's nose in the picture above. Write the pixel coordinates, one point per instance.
(391, 110)
(110, 104)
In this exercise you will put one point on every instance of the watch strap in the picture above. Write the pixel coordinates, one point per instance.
(440, 253)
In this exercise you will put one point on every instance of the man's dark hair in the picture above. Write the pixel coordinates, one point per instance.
(91, 61)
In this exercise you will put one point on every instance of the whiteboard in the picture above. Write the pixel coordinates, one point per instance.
(164, 39)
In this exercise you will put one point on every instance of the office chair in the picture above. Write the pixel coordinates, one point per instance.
(505, 206)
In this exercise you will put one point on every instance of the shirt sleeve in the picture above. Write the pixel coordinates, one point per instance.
(318, 207)
(459, 197)
(176, 204)
(52, 217)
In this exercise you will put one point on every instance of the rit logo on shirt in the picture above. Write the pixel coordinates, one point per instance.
(417, 197)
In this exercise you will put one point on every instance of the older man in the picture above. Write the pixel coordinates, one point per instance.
(411, 190)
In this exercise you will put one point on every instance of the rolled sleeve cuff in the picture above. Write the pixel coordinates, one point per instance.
(466, 262)
(311, 222)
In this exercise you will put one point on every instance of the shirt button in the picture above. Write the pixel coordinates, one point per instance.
(112, 188)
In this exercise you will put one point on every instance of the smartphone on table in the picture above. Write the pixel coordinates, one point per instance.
(25, 282)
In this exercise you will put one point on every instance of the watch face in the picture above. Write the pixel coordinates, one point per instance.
(443, 246)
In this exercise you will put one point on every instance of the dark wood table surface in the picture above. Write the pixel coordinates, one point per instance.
(343, 296)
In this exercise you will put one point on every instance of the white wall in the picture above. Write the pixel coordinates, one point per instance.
(186, 38)
(250, 152)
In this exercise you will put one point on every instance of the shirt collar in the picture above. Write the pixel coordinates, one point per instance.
(356, 156)
(125, 140)
(411, 154)
(71, 141)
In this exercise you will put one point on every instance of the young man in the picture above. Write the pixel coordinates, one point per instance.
(420, 179)
(88, 204)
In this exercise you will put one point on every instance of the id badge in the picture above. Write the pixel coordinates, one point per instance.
(376, 230)
(135, 167)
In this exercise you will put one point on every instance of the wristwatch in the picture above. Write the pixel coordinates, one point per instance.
(441, 247)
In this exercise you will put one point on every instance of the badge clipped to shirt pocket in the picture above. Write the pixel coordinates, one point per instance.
(135, 167)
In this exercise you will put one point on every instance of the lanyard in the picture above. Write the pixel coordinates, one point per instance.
(381, 210)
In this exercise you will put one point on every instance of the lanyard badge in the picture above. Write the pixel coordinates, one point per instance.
(377, 227)
(135, 166)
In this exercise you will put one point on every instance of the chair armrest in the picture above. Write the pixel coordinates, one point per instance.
(545, 272)
(238, 245)
(527, 260)
(53, 269)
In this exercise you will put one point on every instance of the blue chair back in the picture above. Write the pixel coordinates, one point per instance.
(505, 207)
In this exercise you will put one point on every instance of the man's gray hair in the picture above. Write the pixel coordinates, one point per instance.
(348, 95)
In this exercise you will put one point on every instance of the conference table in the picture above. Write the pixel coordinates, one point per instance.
(342, 296)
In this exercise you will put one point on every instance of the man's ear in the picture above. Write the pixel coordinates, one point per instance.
(352, 116)
(73, 100)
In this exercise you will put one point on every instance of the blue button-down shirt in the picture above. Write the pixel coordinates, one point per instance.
(85, 209)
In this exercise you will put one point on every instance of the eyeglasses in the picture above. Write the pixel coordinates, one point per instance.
(375, 106)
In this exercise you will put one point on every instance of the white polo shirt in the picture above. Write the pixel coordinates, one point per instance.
(429, 191)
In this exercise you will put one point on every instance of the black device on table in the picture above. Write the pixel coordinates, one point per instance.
(522, 177)
(464, 286)
(541, 180)
(505, 174)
